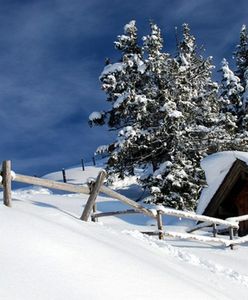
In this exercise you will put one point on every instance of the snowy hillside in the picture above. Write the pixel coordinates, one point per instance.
(48, 253)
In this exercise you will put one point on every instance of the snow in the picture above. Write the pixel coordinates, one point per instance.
(216, 167)
(191, 215)
(155, 189)
(120, 100)
(238, 219)
(228, 74)
(175, 114)
(141, 67)
(102, 149)
(13, 175)
(165, 166)
(48, 253)
(112, 68)
(129, 26)
(95, 115)
(184, 60)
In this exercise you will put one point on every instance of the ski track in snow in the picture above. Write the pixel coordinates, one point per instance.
(189, 258)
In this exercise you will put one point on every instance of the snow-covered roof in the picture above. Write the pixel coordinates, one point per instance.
(216, 167)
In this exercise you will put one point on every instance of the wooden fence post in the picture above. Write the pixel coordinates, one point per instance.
(160, 225)
(92, 198)
(93, 218)
(6, 174)
(64, 176)
(82, 163)
(231, 236)
(214, 230)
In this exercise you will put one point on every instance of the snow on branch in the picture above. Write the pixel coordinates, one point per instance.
(112, 68)
(95, 115)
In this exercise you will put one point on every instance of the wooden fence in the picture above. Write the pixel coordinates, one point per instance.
(94, 188)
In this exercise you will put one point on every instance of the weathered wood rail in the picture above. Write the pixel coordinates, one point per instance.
(52, 184)
(238, 219)
(94, 188)
(95, 216)
(132, 203)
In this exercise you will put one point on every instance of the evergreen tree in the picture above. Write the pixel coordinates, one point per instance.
(234, 94)
(230, 97)
(231, 90)
(123, 83)
(136, 143)
(241, 56)
(166, 112)
(190, 126)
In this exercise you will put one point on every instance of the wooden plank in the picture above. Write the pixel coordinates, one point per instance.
(127, 201)
(193, 216)
(64, 175)
(240, 241)
(231, 234)
(114, 213)
(92, 198)
(197, 238)
(150, 232)
(82, 163)
(93, 218)
(198, 227)
(6, 173)
(52, 184)
(238, 219)
(214, 230)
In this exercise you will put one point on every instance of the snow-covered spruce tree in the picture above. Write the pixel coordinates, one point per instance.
(137, 145)
(149, 138)
(234, 94)
(230, 97)
(144, 146)
(241, 56)
(123, 82)
(189, 128)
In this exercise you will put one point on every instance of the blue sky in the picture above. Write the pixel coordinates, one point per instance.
(51, 55)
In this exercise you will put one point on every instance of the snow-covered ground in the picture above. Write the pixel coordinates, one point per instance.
(48, 253)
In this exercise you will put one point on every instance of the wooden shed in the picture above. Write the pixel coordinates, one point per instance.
(231, 197)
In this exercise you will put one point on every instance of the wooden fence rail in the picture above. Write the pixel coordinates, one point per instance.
(132, 203)
(238, 219)
(114, 213)
(52, 184)
(199, 218)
